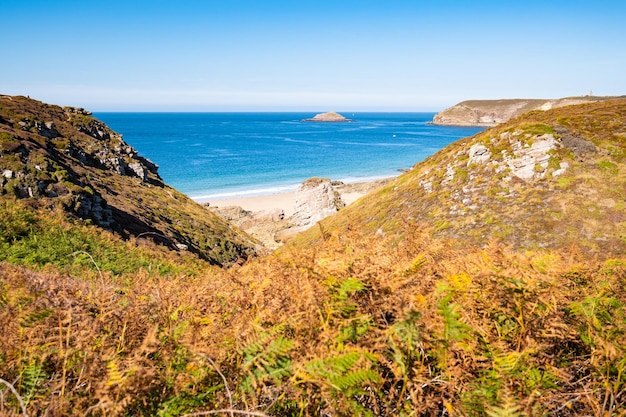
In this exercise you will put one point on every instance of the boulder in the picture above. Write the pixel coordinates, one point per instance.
(316, 198)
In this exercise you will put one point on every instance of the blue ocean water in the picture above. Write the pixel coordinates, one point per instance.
(211, 156)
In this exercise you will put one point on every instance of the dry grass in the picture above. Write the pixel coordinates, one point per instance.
(360, 325)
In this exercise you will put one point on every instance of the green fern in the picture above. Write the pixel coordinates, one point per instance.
(30, 380)
(355, 380)
(405, 342)
(454, 330)
(347, 374)
(354, 329)
(348, 378)
(341, 305)
(266, 357)
(507, 409)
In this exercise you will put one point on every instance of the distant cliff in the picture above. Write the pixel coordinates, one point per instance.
(489, 113)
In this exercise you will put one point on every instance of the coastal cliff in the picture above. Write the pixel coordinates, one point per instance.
(488, 113)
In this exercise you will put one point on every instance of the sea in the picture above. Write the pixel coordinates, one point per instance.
(213, 156)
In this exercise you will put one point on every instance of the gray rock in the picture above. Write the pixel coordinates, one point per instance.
(138, 170)
(327, 117)
(315, 199)
(47, 130)
(478, 154)
(527, 159)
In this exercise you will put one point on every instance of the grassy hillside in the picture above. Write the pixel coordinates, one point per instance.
(409, 303)
(63, 158)
(523, 194)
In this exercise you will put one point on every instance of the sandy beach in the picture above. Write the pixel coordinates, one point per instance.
(287, 201)
(282, 201)
(268, 217)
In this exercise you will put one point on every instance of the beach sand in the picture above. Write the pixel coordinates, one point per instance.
(282, 201)
(287, 201)
(267, 217)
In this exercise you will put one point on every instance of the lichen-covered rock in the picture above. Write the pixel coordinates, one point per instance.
(531, 161)
(478, 154)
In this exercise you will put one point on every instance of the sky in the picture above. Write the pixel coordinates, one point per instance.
(274, 55)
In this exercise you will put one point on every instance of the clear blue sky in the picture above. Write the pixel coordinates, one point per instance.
(355, 55)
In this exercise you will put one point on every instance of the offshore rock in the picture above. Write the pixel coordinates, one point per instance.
(327, 117)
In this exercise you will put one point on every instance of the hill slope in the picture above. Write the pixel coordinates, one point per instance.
(545, 180)
(64, 158)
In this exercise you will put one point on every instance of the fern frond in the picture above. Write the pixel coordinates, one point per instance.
(266, 357)
(355, 379)
(350, 286)
(507, 410)
(346, 373)
(507, 362)
(30, 379)
(114, 375)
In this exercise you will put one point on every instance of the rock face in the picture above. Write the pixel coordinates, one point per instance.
(327, 117)
(316, 199)
(488, 113)
(526, 161)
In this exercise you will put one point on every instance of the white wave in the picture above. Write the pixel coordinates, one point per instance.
(227, 195)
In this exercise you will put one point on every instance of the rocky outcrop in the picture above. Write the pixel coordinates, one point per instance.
(109, 149)
(488, 113)
(316, 198)
(525, 159)
(327, 117)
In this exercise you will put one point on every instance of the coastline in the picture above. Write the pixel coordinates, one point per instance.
(268, 217)
(283, 201)
(286, 200)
